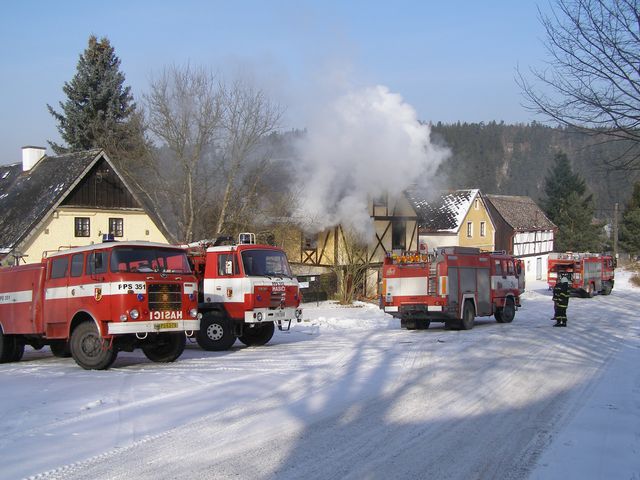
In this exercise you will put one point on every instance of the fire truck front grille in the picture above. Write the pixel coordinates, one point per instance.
(164, 297)
(276, 299)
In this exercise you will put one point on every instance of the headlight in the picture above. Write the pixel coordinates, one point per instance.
(259, 316)
(134, 314)
(123, 317)
(298, 314)
(193, 312)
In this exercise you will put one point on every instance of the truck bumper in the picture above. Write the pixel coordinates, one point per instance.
(153, 326)
(261, 315)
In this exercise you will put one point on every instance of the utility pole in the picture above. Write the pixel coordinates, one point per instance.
(615, 232)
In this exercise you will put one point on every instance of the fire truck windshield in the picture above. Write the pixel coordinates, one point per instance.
(265, 263)
(146, 260)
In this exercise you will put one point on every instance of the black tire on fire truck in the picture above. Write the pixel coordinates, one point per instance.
(507, 313)
(89, 349)
(216, 332)
(166, 348)
(18, 351)
(10, 349)
(607, 287)
(60, 348)
(468, 315)
(257, 334)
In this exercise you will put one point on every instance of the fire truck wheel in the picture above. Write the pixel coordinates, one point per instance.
(216, 332)
(9, 349)
(60, 349)
(257, 335)
(507, 313)
(468, 315)
(89, 349)
(166, 348)
(606, 288)
(18, 352)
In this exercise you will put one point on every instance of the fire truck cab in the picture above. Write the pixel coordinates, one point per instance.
(91, 302)
(454, 285)
(588, 273)
(246, 290)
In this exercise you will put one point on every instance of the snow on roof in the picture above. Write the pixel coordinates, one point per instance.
(27, 197)
(444, 213)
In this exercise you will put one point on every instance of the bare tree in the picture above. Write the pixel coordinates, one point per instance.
(591, 82)
(351, 265)
(184, 109)
(249, 116)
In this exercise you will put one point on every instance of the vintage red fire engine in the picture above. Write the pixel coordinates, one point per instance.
(454, 285)
(246, 289)
(90, 302)
(588, 273)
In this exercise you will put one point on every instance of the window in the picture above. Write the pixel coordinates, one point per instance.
(227, 264)
(77, 262)
(398, 235)
(82, 227)
(96, 263)
(268, 263)
(380, 201)
(116, 227)
(59, 267)
(476, 204)
(310, 242)
(483, 229)
(469, 229)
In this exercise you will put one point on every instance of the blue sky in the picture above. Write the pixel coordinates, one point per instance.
(451, 60)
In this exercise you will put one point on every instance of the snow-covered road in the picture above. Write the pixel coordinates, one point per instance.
(347, 395)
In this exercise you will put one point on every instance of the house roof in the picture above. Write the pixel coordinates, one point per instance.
(444, 213)
(520, 212)
(27, 198)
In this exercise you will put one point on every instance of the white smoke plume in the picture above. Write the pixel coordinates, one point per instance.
(361, 145)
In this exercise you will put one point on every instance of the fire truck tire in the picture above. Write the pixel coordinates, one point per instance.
(60, 348)
(8, 348)
(216, 332)
(468, 316)
(89, 349)
(606, 288)
(167, 348)
(257, 335)
(507, 313)
(18, 352)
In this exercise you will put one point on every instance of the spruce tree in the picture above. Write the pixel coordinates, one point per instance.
(570, 206)
(630, 226)
(99, 110)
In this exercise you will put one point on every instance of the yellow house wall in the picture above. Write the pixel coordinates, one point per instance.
(59, 230)
(476, 216)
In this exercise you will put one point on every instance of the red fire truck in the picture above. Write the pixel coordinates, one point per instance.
(90, 302)
(454, 285)
(246, 289)
(588, 273)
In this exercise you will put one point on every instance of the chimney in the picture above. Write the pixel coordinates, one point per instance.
(30, 156)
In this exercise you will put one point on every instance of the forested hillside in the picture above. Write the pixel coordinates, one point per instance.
(514, 159)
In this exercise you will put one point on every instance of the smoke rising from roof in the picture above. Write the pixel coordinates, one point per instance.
(361, 145)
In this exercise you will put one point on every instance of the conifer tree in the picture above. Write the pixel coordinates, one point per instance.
(630, 226)
(99, 110)
(570, 206)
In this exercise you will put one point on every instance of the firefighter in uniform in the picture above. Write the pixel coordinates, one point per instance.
(561, 302)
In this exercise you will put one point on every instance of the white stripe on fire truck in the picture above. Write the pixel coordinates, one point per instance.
(93, 289)
(23, 296)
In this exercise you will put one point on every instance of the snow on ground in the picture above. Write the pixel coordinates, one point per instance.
(347, 394)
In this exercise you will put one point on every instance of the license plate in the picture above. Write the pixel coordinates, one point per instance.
(166, 325)
(280, 314)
